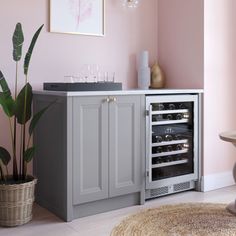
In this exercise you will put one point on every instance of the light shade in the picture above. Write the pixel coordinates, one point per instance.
(130, 3)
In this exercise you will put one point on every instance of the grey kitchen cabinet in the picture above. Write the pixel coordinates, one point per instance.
(106, 147)
(125, 155)
(90, 153)
(90, 149)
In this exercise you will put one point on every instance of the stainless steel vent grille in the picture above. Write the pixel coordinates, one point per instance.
(181, 186)
(159, 191)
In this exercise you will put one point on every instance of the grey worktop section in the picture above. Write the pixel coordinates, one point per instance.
(120, 92)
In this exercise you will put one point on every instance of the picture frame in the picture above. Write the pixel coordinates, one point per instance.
(83, 17)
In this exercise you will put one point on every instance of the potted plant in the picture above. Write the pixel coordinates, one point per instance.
(16, 186)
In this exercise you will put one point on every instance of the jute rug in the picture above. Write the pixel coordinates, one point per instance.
(197, 219)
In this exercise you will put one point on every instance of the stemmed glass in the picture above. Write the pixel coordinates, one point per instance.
(85, 73)
(94, 72)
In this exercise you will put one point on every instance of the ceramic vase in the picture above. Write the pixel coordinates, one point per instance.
(157, 77)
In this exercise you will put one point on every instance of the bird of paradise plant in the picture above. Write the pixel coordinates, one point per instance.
(17, 108)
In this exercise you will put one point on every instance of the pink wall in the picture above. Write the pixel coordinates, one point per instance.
(196, 49)
(181, 42)
(128, 31)
(219, 84)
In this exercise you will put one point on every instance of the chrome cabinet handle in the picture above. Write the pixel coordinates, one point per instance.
(110, 99)
(113, 99)
(107, 99)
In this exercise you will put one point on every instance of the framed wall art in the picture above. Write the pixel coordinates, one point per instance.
(86, 17)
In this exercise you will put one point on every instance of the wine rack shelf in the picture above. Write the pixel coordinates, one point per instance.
(170, 143)
(170, 153)
(171, 163)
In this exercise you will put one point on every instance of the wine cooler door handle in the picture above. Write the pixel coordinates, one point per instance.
(149, 142)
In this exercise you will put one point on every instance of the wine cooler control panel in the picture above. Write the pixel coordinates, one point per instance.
(172, 139)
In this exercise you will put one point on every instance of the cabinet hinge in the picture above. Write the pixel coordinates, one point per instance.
(147, 173)
(147, 113)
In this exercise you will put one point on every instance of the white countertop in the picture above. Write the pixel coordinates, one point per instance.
(119, 92)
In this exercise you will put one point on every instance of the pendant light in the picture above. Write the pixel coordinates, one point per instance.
(130, 3)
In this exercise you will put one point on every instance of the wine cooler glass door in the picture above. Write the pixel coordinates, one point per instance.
(171, 139)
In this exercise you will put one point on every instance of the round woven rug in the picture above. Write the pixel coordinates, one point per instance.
(195, 219)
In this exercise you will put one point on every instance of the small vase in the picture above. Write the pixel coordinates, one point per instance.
(157, 77)
(144, 75)
(144, 71)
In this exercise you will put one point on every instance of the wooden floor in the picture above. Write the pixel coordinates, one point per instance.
(45, 223)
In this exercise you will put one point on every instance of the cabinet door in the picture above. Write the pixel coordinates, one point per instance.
(90, 149)
(125, 145)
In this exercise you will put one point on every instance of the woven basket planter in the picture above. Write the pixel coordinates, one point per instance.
(16, 202)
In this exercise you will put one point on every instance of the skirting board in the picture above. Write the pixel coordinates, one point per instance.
(216, 181)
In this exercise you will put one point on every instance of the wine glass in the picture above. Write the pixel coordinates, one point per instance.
(94, 71)
(86, 72)
(69, 79)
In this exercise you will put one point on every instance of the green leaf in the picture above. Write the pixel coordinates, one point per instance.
(37, 117)
(30, 50)
(6, 100)
(8, 104)
(28, 154)
(23, 104)
(17, 40)
(5, 156)
(3, 84)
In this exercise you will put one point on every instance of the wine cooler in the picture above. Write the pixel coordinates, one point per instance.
(171, 144)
